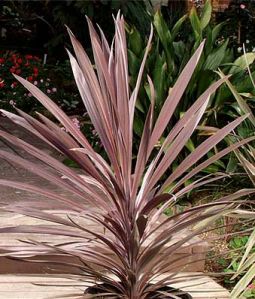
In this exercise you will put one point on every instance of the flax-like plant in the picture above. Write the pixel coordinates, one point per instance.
(131, 255)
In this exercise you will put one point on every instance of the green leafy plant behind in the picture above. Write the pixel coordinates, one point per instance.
(169, 53)
(135, 248)
(243, 266)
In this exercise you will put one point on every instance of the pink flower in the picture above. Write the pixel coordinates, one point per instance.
(41, 80)
(242, 6)
(76, 122)
(251, 286)
(14, 84)
(35, 83)
(29, 94)
(54, 89)
(48, 91)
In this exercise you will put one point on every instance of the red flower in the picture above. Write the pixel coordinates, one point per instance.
(1, 60)
(29, 57)
(12, 70)
(19, 60)
(35, 70)
(2, 84)
(30, 78)
(18, 71)
(14, 84)
(27, 63)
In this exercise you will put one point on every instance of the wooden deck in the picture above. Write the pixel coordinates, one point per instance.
(24, 287)
(191, 255)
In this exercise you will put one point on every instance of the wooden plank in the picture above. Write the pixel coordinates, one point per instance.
(193, 252)
(23, 287)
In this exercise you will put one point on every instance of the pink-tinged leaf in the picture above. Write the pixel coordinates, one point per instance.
(212, 159)
(71, 204)
(54, 109)
(42, 229)
(174, 97)
(202, 149)
(101, 54)
(20, 121)
(200, 183)
(178, 137)
(95, 109)
(142, 152)
(70, 144)
(47, 159)
(196, 107)
(89, 88)
(63, 143)
(175, 148)
(134, 95)
(155, 202)
(108, 242)
(49, 176)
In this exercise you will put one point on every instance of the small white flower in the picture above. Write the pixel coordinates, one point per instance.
(253, 49)
(247, 41)
(13, 103)
(239, 49)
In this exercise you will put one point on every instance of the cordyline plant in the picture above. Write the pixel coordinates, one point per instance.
(132, 251)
